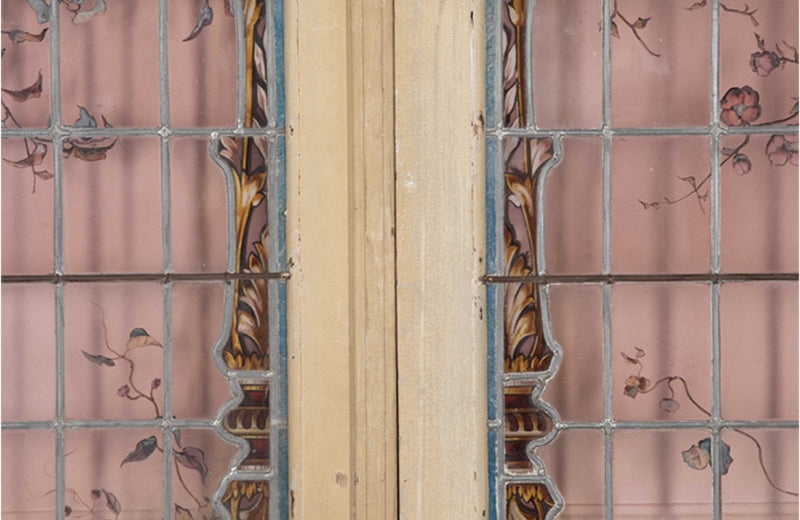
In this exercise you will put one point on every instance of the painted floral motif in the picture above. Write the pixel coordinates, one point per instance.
(698, 456)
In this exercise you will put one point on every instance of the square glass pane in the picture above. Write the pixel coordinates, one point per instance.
(759, 186)
(758, 43)
(661, 355)
(575, 462)
(199, 215)
(574, 209)
(567, 46)
(114, 470)
(26, 67)
(28, 474)
(29, 352)
(651, 479)
(109, 62)
(759, 355)
(576, 316)
(756, 485)
(203, 69)
(113, 340)
(660, 67)
(27, 220)
(660, 206)
(112, 209)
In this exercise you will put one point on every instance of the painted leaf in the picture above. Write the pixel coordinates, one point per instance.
(697, 5)
(639, 352)
(614, 30)
(228, 8)
(18, 36)
(760, 42)
(641, 23)
(696, 457)
(669, 405)
(144, 448)
(140, 338)
(206, 17)
(724, 453)
(34, 91)
(42, 10)
(98, 359)
(177, 435)
(85, 119)
(628, 359)
(84, 16)
(34, 159)
(92, 153)
(112, 502)
(44, 175)
(193, 458)
(181, 513)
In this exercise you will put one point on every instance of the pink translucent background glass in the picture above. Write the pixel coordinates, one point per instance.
(652, 481)
(670, 90)
(671, 322)
(668, 238)
(575, 461)
(567, 57)
(197, 318)
(576, 313)
(27, 216)
(28, 475)
(759, 338)
(109, 65)
(199, 208)
(112, 210)
(759, 213)
(574, 209)
(29, 352)
(202, 71)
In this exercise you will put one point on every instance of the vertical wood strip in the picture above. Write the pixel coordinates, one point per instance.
(439, 71)
(318, 306)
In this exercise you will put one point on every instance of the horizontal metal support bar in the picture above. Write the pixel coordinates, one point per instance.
(622, 132)
(674, 425)
(141, 277)
(622, 278)
(140, 132)
(108, 424)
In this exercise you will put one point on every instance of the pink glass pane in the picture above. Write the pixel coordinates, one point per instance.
(29, 352)
(759, 356)
(576, 315)
(28, 475)
(27, 218)
(746, 492)
(648, 234)
(202, 71)
(673, 88)
(126, 463)
(199, 209)
(567, 64)
(109, 64)
(744, 63)
(189, 485)
(763, 198)
(25, 56)
(651, 479)
(197, 321)
(133, 315)
(574, 209)
(671, 324)
(112, 210)
(575, 462)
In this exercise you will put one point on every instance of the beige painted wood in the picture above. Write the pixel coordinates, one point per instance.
(439, 69)
(372, 269)
(341, 314)
(318, 304)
